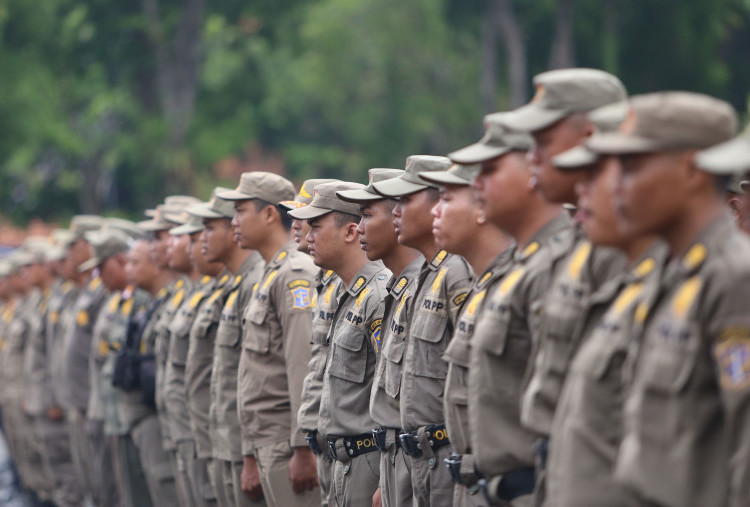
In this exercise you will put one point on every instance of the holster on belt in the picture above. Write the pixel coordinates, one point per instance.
(462, 469)
(314, 442)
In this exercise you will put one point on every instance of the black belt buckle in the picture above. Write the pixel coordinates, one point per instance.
(379, 435)
(312, 442)
(453, 462)
(332, 450)
(410, 445)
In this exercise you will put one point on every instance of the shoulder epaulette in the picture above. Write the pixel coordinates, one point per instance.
(694, 257)
(358, 285)
(439, 258)
(327, 277)
(399, 286)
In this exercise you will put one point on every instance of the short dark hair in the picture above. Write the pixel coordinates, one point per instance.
(286, 220)
(433, 194)
(341, 218)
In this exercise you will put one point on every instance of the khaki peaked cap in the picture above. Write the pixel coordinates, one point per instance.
(261, 185)
(368, 193)
(410, 182)
(325, 201)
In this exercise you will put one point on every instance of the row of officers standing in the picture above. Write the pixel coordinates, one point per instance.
(447, 334)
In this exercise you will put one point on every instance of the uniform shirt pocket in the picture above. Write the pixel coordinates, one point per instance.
(258, 335)
(429, 345)
(348, 357)
(393, 353)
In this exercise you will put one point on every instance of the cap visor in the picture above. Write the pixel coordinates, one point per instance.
(531, 118)
(575, 159)
(745, 185)
(616, 143)
(476, 153)
(185, 229)
(154, 225)
(726, 158)
(89, 264)
(444, 178)
(308, 212)
(358, 195)
(234, 195)
(203, 211)
(396, 187)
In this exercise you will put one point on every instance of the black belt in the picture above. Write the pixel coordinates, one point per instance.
(354, 446)
(380, 434)
(312, 442)
(508, 486)
(436, 435)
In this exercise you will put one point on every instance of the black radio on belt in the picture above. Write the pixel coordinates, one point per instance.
(436, 436)
(453, 462)
(312, 442)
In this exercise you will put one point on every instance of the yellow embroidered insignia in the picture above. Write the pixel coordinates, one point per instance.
(474, 303)
(460, 299)
(510, 281)
(361, 297)
(269, 279)
(299, 283)
(83, 318)
(197, 297)
(358, 284)
(376, 332)
(580, 256)
(695, 256)
(329, 294)
(439, 280)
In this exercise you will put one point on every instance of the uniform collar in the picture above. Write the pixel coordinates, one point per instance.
(283, 254)
(410, 272)
(363, 277)
(498, 267)
(548, 232)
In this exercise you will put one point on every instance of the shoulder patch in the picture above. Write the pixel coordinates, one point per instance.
(361, 297)
(458, 300)
(376, 329)
(399, 285)
(301, 298)
(358, 284)
(733, 356)
(298, 283)
(439, 280)
(439, 258)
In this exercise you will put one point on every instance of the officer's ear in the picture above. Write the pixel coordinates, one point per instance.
(350, 233)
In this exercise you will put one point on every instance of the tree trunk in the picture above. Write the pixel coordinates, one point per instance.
(177, 64)
(563, 50)
(515, 47)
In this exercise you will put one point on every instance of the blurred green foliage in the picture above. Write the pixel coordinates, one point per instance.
(310, 87)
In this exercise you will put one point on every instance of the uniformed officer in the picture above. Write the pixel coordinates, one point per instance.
(738, 199)
(443, 283)
(354, 342)
(378, 238)
(586, 429)
(53, 431)
(213, 355)
(203, 274)
(275, 347)
(460, 228)
(557, 119)
(328, 288)
(39, 278)
(77, 335)
(685, 413)
(501, 345)
(109, 247)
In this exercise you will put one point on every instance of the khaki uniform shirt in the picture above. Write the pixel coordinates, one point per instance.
(58, 305)
(226, 436)
(276, 351)
(587, 428)
(180, 291)
(130, 406)
(325, 302)
(132, 302)
(200, 361)
(687, 414)
(99, 352)
(457, 353)
(398, 312)
(501, 351)
(6, 348)
(77, 344)
(443, 285)
(354, 345)
(175, 397)
(17, 339)
(566, 305)
(35, 361)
